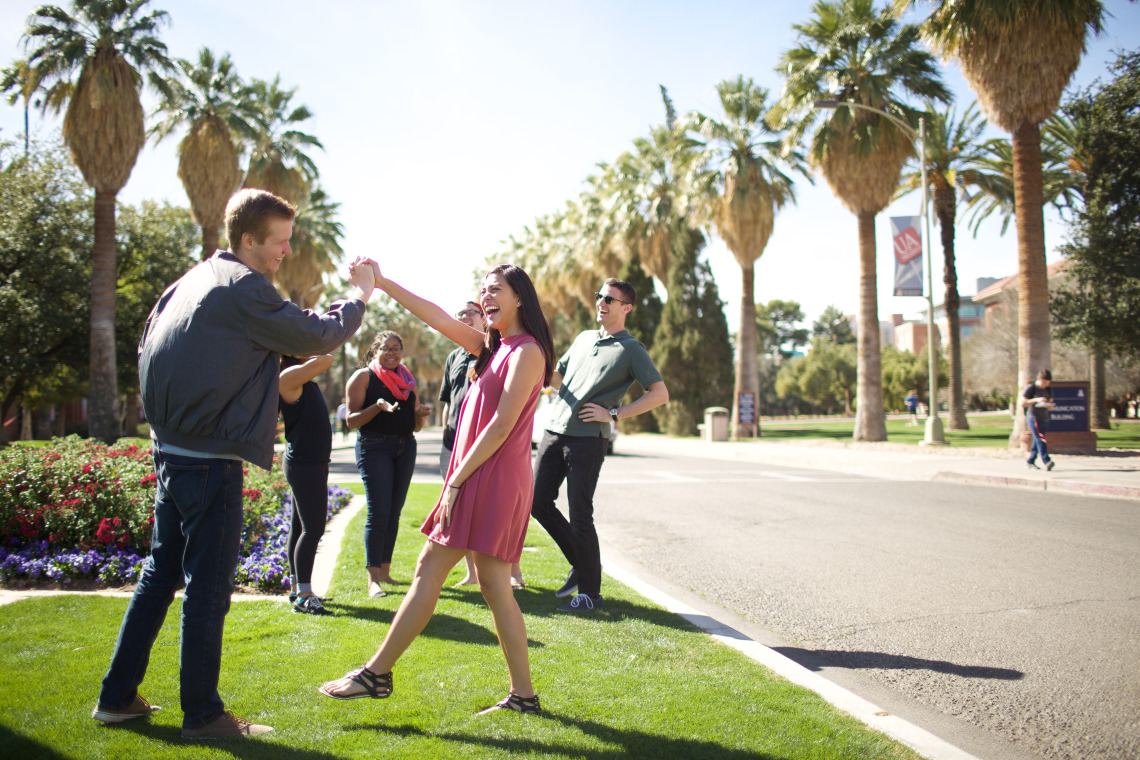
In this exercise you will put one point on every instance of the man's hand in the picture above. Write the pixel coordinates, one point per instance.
(593, 413)
(362, 276)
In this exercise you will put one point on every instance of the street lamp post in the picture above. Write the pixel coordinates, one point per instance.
(933, 435)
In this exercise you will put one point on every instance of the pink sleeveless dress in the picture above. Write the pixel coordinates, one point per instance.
(492, 509)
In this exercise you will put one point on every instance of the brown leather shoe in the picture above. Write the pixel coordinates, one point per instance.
(140, 708)
(225, 726)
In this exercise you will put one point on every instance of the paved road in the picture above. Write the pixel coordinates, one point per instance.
(1003, 621)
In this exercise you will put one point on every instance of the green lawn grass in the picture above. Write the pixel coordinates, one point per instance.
(985, 431)
(632, 682)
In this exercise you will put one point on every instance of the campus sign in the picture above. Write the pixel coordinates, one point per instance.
(908, 255)
(1071, 411)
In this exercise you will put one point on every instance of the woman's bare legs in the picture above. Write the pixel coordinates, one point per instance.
(382, 574)
(415, 611)
(495, 583)
(472, 576)
(516, 576)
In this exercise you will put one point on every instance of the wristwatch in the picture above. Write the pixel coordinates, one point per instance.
(613, 414)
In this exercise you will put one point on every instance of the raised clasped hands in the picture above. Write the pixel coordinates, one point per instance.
(362, 273)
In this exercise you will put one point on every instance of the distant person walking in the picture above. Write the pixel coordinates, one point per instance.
(208, 368)
(912, 408)
(592, 377)
(1037, 401)
(308, 448)
(384, 408)
(342, 418)
(485, 503)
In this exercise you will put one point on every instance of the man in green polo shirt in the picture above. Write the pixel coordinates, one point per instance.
(592, 378)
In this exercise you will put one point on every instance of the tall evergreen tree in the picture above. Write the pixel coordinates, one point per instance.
(692, 348)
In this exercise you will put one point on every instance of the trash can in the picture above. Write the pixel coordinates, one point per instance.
(716, 424)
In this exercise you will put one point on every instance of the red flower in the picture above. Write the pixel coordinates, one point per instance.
(148, 479)
(86, 469)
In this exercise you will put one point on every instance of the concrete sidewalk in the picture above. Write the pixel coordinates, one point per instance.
(1112, 473)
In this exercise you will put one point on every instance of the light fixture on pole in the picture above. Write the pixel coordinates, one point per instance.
(934, 434)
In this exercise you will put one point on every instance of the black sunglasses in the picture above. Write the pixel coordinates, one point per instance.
(608, 299)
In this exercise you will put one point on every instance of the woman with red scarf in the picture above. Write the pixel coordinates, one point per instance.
(383, 406)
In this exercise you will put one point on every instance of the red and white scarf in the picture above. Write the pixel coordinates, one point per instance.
(398, 380)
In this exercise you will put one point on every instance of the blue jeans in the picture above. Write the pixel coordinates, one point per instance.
(578, 461)
(196, 538)
(386, 464)
(1037, 445)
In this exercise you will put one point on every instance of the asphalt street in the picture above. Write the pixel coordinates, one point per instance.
(1003, 621)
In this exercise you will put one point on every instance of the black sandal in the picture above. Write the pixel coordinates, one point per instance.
(375, 685)
(526, 705)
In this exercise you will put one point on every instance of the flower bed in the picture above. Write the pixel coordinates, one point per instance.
(80, 510)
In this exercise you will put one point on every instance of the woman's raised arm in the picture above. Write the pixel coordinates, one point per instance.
(465, 336)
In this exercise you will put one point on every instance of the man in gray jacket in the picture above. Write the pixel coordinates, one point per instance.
(208, 366)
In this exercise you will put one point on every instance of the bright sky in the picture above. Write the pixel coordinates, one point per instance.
(448, 126)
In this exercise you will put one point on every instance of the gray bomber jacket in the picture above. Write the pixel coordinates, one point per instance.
(209, 358)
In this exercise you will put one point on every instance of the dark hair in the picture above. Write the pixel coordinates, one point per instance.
(250, 210)
(531, 318)
(1045, 375)
(290, 361)
(624, 288)
(377, 344)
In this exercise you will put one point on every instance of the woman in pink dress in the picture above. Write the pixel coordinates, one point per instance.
(486, 498)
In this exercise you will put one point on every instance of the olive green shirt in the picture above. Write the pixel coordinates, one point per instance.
(598, 370)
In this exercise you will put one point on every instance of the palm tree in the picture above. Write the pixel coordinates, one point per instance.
(106, 43)
(20, 80)
(212, 102)
(851, 52)
(279, 162)
(953, 149)
(316, 250)
(744, 156)
(1019, 78)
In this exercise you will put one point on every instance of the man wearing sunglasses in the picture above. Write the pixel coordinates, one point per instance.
(592, 378)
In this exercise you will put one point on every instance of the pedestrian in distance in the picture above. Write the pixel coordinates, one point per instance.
(308, 448)
(342, 418)
(911, 402)
(485, 503)
(592, 377)
(1037, 401)
(384, 408)
(209, 362)
(452, 390)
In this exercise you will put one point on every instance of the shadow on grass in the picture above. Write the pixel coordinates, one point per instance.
(242, 746)
(18, 745)
(816, 659)
(625, 743)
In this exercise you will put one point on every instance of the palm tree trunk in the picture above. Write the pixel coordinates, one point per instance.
(944, 206)
(210, 239)
(102, 422)
(870, 424)
(1033, 348)
(747, 373)
(1098, 409)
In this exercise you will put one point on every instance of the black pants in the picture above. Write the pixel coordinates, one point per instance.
(310, 486)
(578, 461)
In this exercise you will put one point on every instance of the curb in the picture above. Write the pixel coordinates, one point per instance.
(919, 739)
(1031, 484)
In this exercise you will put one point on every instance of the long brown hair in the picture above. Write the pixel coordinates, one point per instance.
(530, 315)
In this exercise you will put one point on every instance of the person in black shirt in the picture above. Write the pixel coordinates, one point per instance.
(1037, 400)
(308, 447)
(383, 407)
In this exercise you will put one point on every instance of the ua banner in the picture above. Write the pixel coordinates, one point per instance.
(908, 255)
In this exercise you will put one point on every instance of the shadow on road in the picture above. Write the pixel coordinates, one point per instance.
(817, 659)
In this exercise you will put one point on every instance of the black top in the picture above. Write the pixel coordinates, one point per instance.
(453, 389)
(1041, 413)
(400, 422)
(308, 434)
